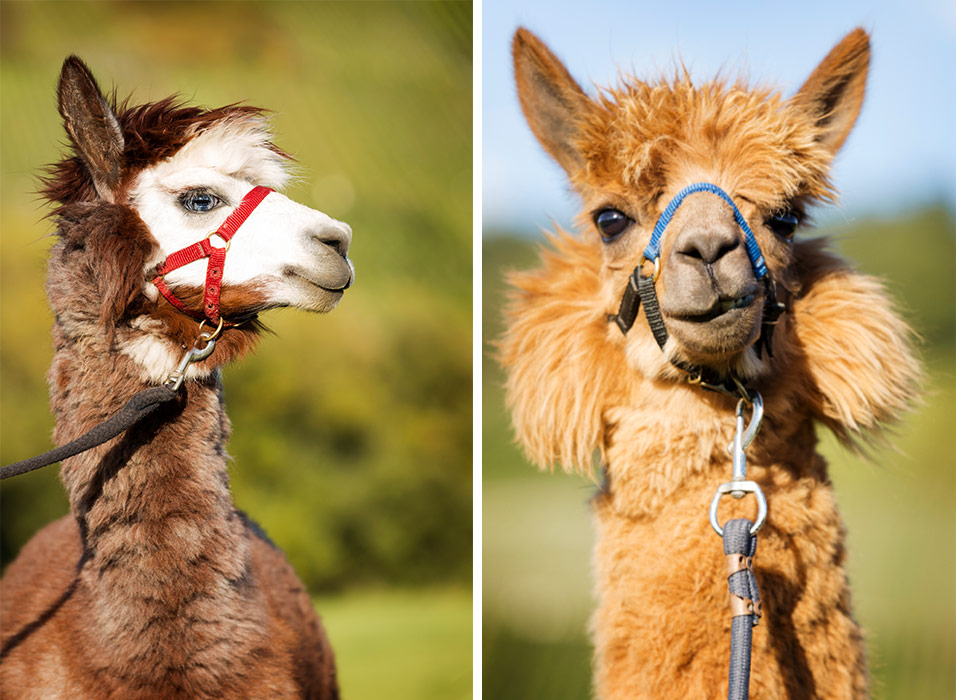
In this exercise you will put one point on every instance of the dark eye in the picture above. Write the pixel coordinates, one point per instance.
(784, 224)
(199, 201)
(611, 223)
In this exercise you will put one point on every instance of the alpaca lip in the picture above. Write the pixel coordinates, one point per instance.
(332, 288)
(722, 307)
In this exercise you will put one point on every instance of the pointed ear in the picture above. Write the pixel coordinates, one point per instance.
(551, 100)
(833, 94)
(92, 126)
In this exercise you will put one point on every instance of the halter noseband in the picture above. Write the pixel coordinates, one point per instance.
(217, 259)
(640, 289)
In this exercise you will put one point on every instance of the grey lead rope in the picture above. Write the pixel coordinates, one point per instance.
(740, 547)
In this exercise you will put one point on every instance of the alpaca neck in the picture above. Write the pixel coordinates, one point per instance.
(162, 540)
(665, 439)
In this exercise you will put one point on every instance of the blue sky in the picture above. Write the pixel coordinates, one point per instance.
(902, 152)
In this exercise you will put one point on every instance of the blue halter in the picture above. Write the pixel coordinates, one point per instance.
(653, 249)
(640, 289)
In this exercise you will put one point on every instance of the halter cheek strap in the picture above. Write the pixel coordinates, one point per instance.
(217, 259)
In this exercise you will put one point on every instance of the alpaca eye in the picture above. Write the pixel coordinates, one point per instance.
(784, 224)
(611, 223)
(199, 201)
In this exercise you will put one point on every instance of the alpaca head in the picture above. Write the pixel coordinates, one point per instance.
(630, 150)
(149, 180)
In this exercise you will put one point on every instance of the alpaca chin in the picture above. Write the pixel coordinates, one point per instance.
(647, 359)
(318, 288)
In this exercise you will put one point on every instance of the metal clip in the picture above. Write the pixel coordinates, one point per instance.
(176, 377)
(739, 486)
(743, 438)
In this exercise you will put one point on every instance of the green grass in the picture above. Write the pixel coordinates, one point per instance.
(401, 645)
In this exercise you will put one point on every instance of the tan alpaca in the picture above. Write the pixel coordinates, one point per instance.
(577, 384)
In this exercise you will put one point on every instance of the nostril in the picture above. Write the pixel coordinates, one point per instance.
(709, 247)
(337, 236)
(691, 252)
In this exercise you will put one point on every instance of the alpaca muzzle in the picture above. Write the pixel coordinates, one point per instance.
(641, 290)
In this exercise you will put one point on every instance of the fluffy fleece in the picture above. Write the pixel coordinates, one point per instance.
(576, 386)
(154, 587)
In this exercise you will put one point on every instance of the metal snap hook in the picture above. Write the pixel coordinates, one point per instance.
(756, 418)
(195, 354)
(739, 485)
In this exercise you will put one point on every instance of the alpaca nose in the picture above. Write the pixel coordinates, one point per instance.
(337, 235)
(708, 244)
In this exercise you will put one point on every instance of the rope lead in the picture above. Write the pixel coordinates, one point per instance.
(739, 548)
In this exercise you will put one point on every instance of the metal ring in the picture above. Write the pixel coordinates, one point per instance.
(214, 334)
(657, 266)
(227, 241)
(746, 487)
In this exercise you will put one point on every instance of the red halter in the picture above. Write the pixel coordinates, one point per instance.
(217, 258)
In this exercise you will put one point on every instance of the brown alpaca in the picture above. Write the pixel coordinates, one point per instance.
(155, 586)
(577, 384)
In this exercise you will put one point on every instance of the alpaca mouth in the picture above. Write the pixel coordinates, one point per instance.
(335, 283)
(721, 308)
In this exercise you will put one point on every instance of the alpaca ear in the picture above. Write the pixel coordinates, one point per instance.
(551, 100)
(833, 94)
(852, 345)
(92, 126)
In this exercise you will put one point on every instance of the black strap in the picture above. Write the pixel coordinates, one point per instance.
(652, 309)
(772, 310)
(640, 290)
(630, 303)
(137, 408)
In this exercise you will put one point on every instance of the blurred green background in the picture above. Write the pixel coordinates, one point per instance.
(353, 431)
(899, 507)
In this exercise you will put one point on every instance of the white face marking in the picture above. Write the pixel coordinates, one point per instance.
(294, 255)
